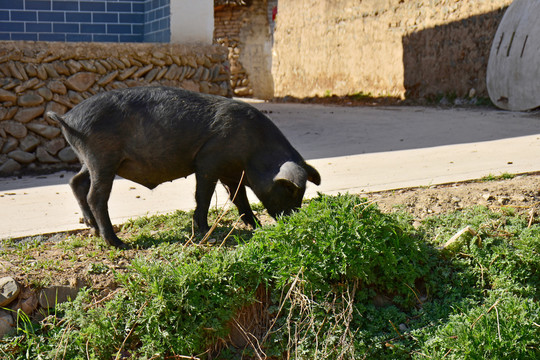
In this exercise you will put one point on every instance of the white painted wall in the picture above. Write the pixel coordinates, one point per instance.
(192, 21)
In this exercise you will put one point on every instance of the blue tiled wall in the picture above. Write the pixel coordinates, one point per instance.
(85, 20)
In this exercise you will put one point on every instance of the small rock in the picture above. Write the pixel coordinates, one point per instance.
(55, 145)
(30, 99)
(24, 115)
(462, 237)
(29, 305)
(22, 157)
(472, 92)
(7, 96)
(68, 155)
(9, 167)
(47, 131)
(29, 143)
(503, 200)
(520, 198)
(6, 323)
(14, 128)
(44, 157)
(81, 81)
(57, 108)
(403, 327)
(74, 97)
(488, 197)
(45, 93)
(53, 295)
(9, 290)
(10, 145)
(57, 87)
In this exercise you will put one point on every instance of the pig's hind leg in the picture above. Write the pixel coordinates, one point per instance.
(101, 180)
(80, 184)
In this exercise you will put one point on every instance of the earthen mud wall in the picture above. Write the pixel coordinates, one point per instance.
(36, 77)
(412, 48)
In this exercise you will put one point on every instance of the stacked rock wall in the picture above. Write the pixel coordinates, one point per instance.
(36, 77)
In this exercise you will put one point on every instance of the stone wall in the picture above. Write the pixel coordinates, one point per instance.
(246, 32)
(412, 48)
(36, 77)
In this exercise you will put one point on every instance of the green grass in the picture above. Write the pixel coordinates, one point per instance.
(503, 176)
(313, 284)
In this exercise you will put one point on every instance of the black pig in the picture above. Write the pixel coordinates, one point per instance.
(155, 134)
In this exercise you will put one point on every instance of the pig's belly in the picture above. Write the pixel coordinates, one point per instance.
(152, 173)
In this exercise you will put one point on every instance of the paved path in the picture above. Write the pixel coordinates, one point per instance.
(356, 149)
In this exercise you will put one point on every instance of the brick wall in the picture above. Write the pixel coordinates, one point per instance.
(91, 21)
(157, 21)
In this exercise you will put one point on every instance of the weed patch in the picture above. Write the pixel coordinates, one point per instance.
(337, 280)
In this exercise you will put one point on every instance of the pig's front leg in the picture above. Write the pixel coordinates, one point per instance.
(242, 203)
(203, 196)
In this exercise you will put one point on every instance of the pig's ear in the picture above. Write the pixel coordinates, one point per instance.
(313, 175)
(293, 174)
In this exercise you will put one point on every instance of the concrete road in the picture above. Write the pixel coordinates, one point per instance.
(356, 149)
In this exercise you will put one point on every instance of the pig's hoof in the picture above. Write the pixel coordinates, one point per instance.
(117, 243)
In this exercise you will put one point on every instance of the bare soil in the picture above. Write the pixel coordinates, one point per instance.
(51, 264)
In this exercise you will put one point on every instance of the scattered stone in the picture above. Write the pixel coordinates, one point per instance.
(57, 294)
(81, 81)
(22, 157)
(9, 167)
(50, 132)
(488, 197)
(503, 200)
(6, 323)
(29, 143)
(14, 128)
(29, 305)
(25, 115)
(9, 290)
(68, 155)
(462, 237)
